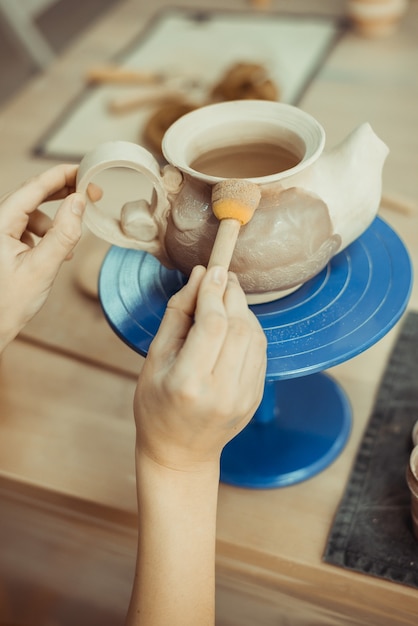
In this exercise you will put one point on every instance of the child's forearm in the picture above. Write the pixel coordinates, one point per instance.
(175, 575)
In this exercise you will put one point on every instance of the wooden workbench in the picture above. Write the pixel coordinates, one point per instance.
(67, 490)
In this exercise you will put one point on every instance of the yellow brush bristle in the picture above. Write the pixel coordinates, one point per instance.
(235, 199)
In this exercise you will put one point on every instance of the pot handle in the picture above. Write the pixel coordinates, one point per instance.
(134, 224)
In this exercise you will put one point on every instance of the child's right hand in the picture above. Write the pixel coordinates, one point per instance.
(204, 374)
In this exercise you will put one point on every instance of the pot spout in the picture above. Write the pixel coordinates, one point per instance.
(348, 179)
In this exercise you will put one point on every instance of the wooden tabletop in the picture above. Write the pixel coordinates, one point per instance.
(66, 384)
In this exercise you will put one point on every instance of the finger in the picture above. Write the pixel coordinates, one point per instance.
(204, 341)
(39, 223)
(94, 192)
(254, 364)
(242, 394)
(61, 238)
(27, 239)
(16, 207)
(243, 354)
(240, 327)
(178, 318)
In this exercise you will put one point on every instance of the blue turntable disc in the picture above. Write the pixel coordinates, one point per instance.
(338, 314)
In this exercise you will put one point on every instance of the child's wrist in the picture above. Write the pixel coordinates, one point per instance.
(176, 466)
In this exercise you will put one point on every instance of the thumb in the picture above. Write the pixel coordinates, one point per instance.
(65, 232)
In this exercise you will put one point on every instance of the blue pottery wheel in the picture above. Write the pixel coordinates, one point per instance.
(304, 419)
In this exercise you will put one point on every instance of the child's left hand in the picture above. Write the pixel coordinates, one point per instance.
(33, 247)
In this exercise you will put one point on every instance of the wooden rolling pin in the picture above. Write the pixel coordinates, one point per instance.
(233, 202)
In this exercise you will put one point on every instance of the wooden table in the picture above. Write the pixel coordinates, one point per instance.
(67, 490)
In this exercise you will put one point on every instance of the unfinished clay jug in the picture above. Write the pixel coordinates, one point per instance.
(412, 482)
(313, 203)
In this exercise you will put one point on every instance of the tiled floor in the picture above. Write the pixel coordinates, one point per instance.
(60, 24)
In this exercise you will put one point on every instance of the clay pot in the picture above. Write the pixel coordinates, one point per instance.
(412, 480)
(313, 203)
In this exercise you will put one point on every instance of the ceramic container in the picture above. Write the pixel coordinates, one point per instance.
(313, 204)
(412, 480)
(376, 18)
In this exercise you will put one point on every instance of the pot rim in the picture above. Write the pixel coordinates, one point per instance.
(194, 134)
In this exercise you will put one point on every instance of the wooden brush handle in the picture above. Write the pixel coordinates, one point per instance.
(225, 241)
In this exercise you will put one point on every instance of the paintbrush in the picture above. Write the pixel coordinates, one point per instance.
(233, 202)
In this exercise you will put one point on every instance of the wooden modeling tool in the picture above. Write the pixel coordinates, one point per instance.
(114, 74)
(159, 96)
(261, 4)
(233, 202)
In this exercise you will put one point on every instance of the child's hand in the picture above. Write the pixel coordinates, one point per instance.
(204, 375)
(32, 247)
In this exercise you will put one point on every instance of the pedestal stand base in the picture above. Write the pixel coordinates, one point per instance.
(300, 427)
(304, 419)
